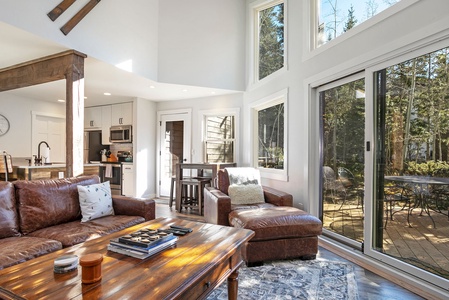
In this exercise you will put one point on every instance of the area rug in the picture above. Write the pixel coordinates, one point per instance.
(294, 279)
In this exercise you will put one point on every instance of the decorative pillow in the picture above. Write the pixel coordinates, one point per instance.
(246, 194)
(95, 201)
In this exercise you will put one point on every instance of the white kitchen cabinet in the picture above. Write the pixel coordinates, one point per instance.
(105, 124)
(122, 114)
(128, 179)
(92, 117)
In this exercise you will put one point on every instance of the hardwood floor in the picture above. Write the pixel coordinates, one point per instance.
(370, 285)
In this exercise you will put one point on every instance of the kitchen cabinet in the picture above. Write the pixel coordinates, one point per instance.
(92, 117)
(105, 124)
(128, 179)
(122, 114)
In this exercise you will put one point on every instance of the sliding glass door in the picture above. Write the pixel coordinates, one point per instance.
(411, 170)
(384, 163)
(342, 111)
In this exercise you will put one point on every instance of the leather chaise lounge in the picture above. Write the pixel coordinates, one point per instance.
(281, 231)
(41, 216)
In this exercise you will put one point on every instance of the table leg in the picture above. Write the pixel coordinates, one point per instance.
(178, 187)
(233, 285)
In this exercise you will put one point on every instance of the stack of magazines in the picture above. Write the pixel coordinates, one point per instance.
(143, 243)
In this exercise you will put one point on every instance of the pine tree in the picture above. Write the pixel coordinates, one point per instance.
(352, 21)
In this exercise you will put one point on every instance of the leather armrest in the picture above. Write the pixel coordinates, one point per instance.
(217, 206)
(277, 197)
(130, 206)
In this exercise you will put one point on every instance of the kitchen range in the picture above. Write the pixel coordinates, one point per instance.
(112, 171)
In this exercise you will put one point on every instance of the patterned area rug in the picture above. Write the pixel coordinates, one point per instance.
(294, 279)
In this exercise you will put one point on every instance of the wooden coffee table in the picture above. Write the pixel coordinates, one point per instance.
(201, 261)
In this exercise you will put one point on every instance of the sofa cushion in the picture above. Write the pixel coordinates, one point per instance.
(278, 222)
(95, 201)
(246, 194)
(15, 250)
(44, 203)
(76, 232)
(9, 220)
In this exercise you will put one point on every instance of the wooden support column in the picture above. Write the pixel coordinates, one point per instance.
(68, 65)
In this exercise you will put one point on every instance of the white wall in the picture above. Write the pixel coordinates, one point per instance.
(336, 59)
(115, 31)
(197, 105)
(144, 147)
(202, 43)
(17, 141)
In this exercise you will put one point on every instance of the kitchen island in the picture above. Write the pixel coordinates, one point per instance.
(56, 170)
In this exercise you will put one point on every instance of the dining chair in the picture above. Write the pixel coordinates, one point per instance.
(397, 194)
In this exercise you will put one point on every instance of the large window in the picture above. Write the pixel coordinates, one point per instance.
(269, 39)
(269, 130)
(219, 138)
(336, 17)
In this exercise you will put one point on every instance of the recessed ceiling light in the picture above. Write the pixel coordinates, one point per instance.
(85, 97)
(61, 100)
(152, 87)
(213, 93)
(184, 90)
(107, 94)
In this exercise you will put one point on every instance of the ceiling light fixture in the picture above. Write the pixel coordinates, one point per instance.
(107, 94)
(61, 100)
(184, 90)
(152, 87)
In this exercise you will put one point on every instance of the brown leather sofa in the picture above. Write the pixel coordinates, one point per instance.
(41, 216)
(281, 231)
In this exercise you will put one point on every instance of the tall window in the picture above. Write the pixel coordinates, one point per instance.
(219, 139)
(270, 130)
(269, 38)
(335, 17)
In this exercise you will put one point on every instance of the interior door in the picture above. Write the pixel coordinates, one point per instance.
(174, 147)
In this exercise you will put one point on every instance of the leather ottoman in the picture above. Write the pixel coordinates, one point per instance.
(281, 232)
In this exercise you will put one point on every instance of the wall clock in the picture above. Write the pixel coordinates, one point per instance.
(4, 125)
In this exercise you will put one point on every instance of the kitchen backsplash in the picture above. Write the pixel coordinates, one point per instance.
(114, 148)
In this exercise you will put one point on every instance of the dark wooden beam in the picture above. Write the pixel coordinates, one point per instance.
(38, 71)
(75, 117)
(60, 9)
(67, 65)
(79, 16)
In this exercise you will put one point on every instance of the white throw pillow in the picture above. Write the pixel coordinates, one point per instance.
(95, 201)
(246, 194)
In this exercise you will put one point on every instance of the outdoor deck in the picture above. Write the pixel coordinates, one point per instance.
(420, 245)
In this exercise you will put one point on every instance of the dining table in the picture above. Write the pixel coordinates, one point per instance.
(198, 169)
(422, 188)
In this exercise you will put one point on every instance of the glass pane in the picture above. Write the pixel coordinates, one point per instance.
(220, 127)
(343, 135)
(271, 137)
(338, 16)
(271, 40)
(220, 151)
(412, 168)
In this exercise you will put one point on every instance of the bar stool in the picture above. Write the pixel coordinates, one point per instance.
(172, 188)
(192, 193)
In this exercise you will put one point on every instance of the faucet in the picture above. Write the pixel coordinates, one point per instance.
(38, 159)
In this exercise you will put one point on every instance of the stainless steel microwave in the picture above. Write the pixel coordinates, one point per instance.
(121, 134)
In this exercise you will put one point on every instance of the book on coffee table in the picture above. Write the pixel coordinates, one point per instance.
(140, 254)
(161, 243)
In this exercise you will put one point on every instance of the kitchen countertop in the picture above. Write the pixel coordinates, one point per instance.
(56, 165)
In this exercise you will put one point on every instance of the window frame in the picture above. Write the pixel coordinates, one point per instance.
(311, 6)
(254, 10)
(269, 101)
(204, 114)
